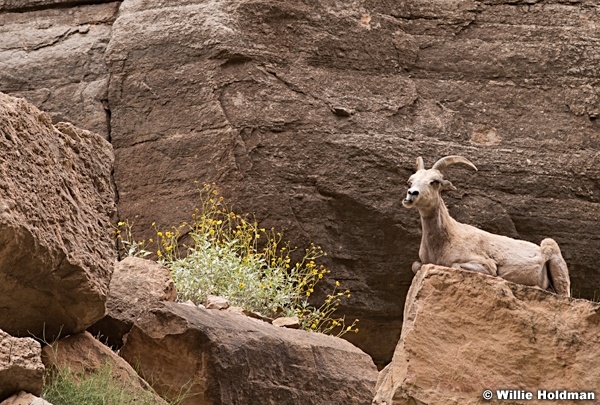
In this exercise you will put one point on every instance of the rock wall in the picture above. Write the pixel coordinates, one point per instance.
(310, 115)
(52, 53)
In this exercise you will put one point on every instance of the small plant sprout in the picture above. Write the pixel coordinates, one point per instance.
(127, 246)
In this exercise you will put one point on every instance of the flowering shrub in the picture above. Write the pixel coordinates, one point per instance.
(126, 244)
(231, 256)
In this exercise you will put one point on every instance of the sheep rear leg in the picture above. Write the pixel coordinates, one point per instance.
(484, 268)
(557, 267)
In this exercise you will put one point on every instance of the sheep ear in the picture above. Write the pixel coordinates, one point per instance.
(446, 185)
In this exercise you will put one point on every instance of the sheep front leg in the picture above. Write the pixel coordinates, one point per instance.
(416, 266)
(485, 268)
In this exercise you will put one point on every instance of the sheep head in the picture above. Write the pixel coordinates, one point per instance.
(426, 185)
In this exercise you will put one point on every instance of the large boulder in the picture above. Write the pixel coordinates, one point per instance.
(136, 285)
(311, 114)
(52, 53)
(56, 200)
(465, 333)
(21, 367)
(82, 354)
(217, 357)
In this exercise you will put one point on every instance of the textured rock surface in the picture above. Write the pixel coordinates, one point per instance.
(21, 366)
(287, 322)
(311, 114)
(24, 398)
(233, 359)
(56, 199)
(54, 56)
(466, 332)
(83, 354)
(136, 285)
(215, 302)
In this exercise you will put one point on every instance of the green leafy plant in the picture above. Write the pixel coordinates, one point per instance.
(229, 255)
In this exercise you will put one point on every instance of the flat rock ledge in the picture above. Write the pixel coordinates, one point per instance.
(465, 333)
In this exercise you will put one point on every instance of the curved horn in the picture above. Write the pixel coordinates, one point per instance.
(451, 160)
(420, 163)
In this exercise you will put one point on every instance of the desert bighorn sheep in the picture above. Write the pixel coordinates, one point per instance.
(447, 242)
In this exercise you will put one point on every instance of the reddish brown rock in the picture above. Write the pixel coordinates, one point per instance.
(136, 285)
(232, 359)
(215, 302)
(291, 322)
(21, 367)
(82, 354)
(466, 332)
(56, 200)
(52, 53)
(310, 116)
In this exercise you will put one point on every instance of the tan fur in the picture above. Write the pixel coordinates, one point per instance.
(447, 242)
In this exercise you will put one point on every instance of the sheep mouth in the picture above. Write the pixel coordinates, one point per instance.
(408, 203)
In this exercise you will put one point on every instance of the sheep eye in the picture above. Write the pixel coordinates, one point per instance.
(434, 182)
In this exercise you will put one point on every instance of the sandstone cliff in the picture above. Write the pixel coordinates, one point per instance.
(310, 114)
